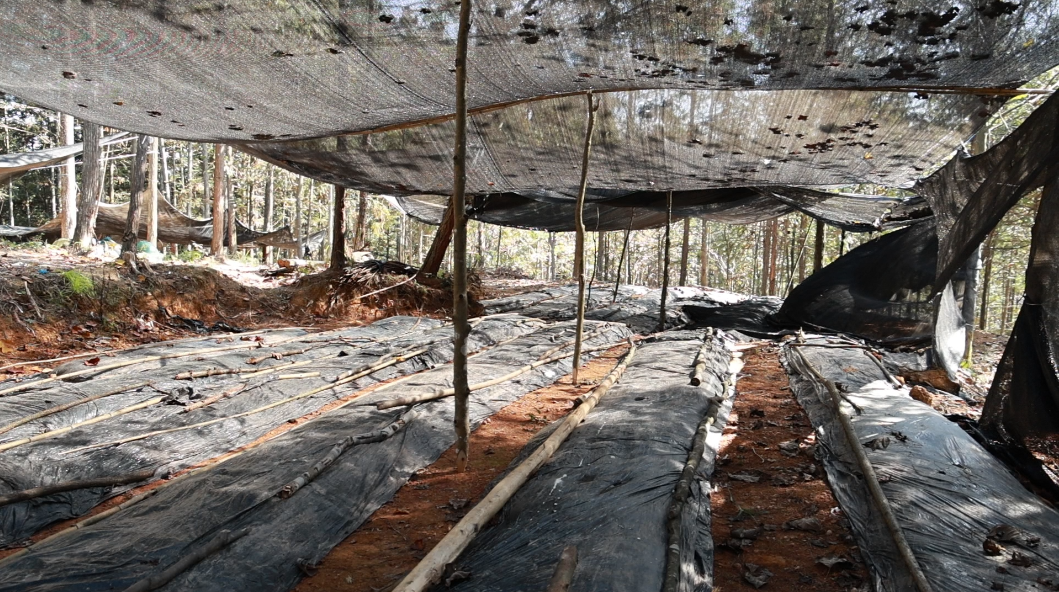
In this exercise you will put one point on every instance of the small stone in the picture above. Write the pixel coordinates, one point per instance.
(755, 575)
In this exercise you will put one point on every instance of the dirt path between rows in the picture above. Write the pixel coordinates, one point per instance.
(399, 534)
(772, 511)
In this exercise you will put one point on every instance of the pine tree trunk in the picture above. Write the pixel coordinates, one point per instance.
(360, 232)
(207, 195)
(68, 179)
(551, 256)
(233, 239)
(766, 258)
(138, 189)
(298, 234)
(818, 247)
(436, 254)
(987, 274)
(167, 186)
(216, 243)
(91, 185)
(684, 252)
(338, 230)
(152, 193)
(665, 262)
(704, 255)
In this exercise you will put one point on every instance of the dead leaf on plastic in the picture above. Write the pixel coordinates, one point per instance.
(92, 361)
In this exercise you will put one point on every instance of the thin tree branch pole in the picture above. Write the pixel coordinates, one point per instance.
(674, 518)
(579, 241)
(563, 575)
(27, 494)
(235, 390)
(459, 247)
(272, 405)
(700, 359)
(218, 202)
(431, 568)
(442, 393)
(222, 540)
(338, 449)
(665, 263)
(872, 481)
(338, 232)
(96, 419)
(70, 405)
(249, 345)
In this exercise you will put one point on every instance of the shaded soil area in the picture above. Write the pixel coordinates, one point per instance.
(53, 304)
(400, 533)
(775, 520)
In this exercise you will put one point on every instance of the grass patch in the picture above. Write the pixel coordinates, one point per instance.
(79, 283)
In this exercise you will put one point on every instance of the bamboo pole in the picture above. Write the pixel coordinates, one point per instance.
(871, 479)
(700, 359)
(250, 345)
(211, 400)
(671, 581)
(272, 405)
(665, 263)
(222, 540)
(579, 228)
(45, 490)
(97, 419)
(431, 568)
(442, 393)
(563, 575)
(459, 246)
(70, 405)
(338, 449)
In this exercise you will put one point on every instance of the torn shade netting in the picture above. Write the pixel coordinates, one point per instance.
(246, 70)
(1023, 402)
(639, 210)
(17, 164)
(881, 290)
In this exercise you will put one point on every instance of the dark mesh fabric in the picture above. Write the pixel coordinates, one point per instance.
(20, 163)
(970, 195)
(655, 141)
(243, 70)
(642, 209)
(1024, 399)
(880, 290)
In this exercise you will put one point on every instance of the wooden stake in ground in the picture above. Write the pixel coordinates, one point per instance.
(431, 568)
(459, 246)
(665, 263)
(579, 228)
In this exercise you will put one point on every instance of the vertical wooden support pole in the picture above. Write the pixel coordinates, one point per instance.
(217, 242)
(579, 244)
(704, 255)
(338, 229)
(621, 259)
(152, 194)
(459, 246)
(665, 263)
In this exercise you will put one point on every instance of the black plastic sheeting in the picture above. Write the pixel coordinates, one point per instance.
(607, 489)
(946, 491)
(639, 307)
(751, 316)
(50, 461)
(880, 291)
(241, 492)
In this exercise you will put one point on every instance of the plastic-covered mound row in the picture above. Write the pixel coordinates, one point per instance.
(241, 492)
(608, 488)
(970, 524)
(635, 306)
(300, 363)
